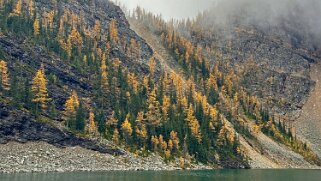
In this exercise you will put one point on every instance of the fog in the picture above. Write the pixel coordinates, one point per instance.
(177, 9)
(300, 17)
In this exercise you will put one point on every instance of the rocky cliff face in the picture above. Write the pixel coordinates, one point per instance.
(21, 127)
(269, 65)
(279, 72)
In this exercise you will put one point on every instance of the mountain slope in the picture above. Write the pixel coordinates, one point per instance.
(263, 152)
(74, 74)
(309, 123)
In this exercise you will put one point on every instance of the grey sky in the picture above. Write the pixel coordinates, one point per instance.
(170, 8)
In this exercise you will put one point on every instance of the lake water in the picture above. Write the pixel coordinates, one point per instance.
(213, 175)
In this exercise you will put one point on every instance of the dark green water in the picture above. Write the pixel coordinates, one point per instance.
(226, 175)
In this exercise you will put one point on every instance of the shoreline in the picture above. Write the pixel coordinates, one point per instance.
(41, 157)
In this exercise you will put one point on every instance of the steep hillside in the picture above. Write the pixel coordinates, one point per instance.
(308, 124)
(259, 63)
(75, 78)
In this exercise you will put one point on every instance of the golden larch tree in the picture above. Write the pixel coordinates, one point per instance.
(153, 114)
(140, 128)
(92, 129)
(111, 121)
(115, 137)
(165, 107)
(97, 30)
(31, 8)
(193, 124)
(170, 145)
(71, 106)
(36, 27)
(113, 31)
(155, 142)
(174, 138)
(4, 76)
(162, 142)
(104, 75)
(17, 9)
(152, 65)
(39, 88)
(127, 130)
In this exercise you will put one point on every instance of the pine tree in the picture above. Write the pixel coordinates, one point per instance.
(152, 65)
(155, 142)
(127, 130)
(167, 154)
(193, 124)
(174, 138)
(140, 128)
(165, 107)
(31, 8)
(80, 119)
(4, 76)
(17, 10)
(170, 145)
(92, 128)
(97, 30)
(115, 137)
(39, 89)
(153, 114)
(104, 76)
(162, 142)
(112, 122)
(113, 31)
(36, 27)
(71, 106)
(50, 17)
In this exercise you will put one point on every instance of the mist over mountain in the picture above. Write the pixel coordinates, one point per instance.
(177, 9)
(299, 19)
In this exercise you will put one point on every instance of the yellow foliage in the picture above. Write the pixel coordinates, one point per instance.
(167, 154)
(36, 27)
(85, 59)
(104, 75)
(97, 29)
(174, 139)
(170, 145)
(75, 37)
(132, 80)
(4, 75)
(155, 142)
(92, 129)
(17, 9)
(39, 88)
(50, 15)
(165, 107)
(112, 121)
(182, 162)
(71, 105)
(184, 103)
(31, 8)
(115, 138)
(126, 128)
(193, 124)
(152, 65)
(140, 129)
(162, 143)
(113, 31)
(153, 114)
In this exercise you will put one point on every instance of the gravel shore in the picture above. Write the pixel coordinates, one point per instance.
(43, 157)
